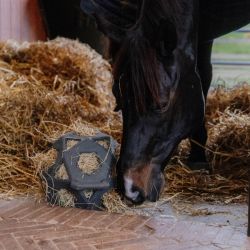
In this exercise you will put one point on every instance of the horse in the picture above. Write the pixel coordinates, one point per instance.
(161, 58)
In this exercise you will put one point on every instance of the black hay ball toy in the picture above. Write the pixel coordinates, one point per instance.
(67, 184)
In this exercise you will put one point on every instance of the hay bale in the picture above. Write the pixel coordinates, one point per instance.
(229, 155)
(63, 65)
(230, 137)
(46, 90)
(221, 99)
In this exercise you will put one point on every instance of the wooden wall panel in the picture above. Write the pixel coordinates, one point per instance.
(21, 20)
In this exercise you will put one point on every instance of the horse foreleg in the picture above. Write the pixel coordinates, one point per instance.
(197, 159)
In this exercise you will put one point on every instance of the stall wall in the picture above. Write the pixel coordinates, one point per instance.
(21, 20)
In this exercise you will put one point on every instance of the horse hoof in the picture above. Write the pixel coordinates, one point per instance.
(200, 166)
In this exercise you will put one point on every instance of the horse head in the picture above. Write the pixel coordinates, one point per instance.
(155, 84)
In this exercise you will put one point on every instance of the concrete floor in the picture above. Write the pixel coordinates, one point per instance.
(218, 213)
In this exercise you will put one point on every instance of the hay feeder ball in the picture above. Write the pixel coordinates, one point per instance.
(82, 173)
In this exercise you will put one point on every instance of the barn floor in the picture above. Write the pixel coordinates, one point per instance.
(25, 224)
(234, 215)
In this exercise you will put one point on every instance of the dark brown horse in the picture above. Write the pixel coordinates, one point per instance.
(161, 51)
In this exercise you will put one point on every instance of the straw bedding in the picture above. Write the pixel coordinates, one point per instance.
(48, 89)
(228, 152)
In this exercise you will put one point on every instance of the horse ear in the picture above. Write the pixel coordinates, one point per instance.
(112, 17)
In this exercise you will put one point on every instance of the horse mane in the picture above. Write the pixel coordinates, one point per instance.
(138, 54)
(138, 32)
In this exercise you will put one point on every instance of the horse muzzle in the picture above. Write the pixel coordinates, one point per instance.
(145, 189)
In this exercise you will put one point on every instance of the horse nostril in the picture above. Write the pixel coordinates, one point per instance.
(140, 198)
(133, 193)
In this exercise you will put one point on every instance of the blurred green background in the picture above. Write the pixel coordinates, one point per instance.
(233, 47)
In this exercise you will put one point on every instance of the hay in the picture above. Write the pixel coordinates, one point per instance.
(61, 173)
(104, 144)
(88, 193)
(65, 198)
(113, 203)
(89, 163)
(188, 209)
(43, 161)
(220, 99)
(227, 151)
(235, 126)
(48, 89)
(71, 143)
